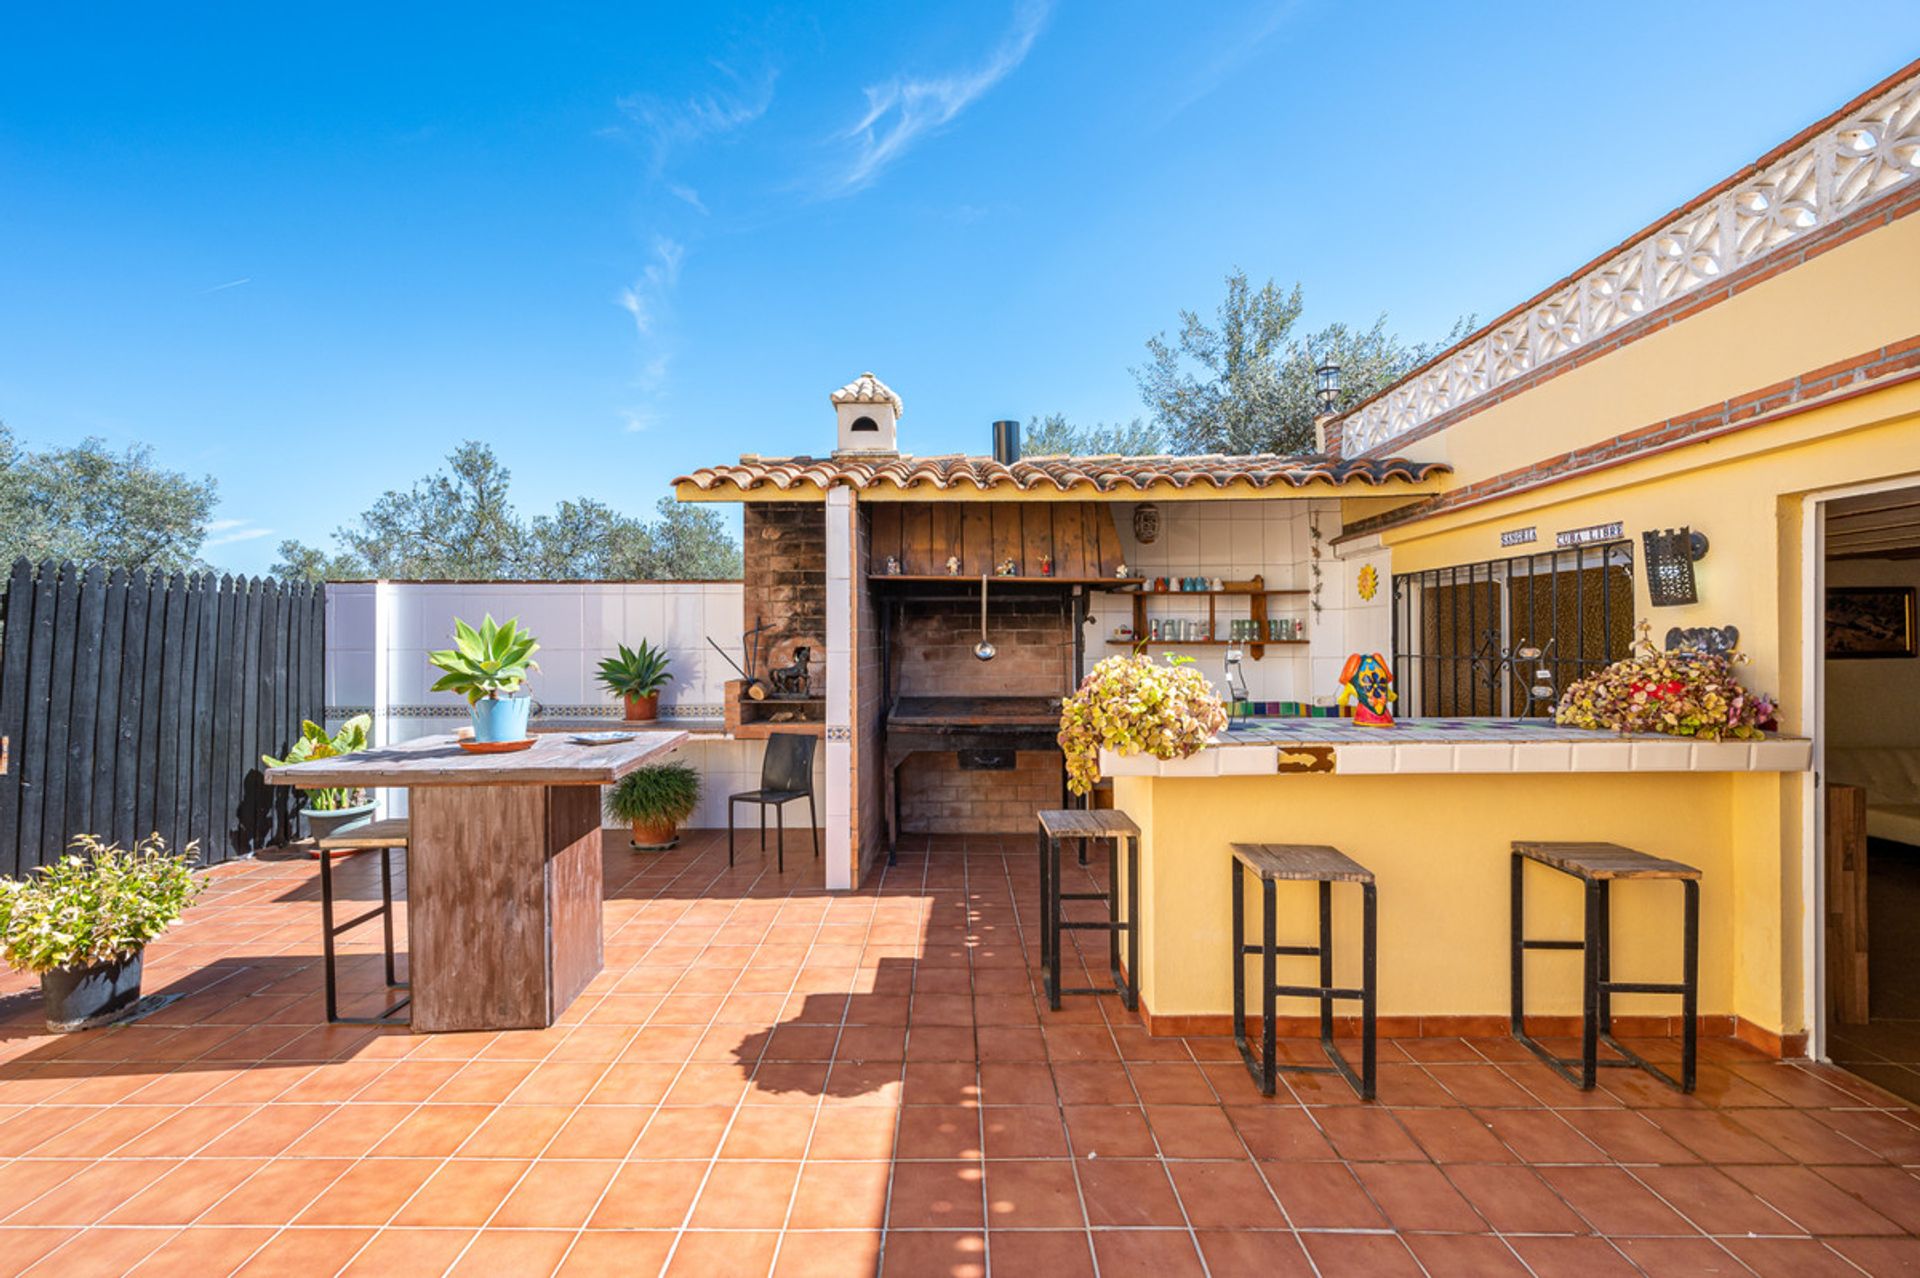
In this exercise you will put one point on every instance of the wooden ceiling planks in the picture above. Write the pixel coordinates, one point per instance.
(1081, 538)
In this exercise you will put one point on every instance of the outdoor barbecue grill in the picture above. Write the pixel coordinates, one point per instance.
(986, 733)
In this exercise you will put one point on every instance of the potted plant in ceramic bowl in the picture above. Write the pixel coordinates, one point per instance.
(636, 675)
(489, 667)
(83, 923)
(1136, 705)
(654, 800)
(330, 811)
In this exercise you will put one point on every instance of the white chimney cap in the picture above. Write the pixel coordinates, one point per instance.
(868, 389)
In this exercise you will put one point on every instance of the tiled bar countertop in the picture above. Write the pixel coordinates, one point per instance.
(1428, 746)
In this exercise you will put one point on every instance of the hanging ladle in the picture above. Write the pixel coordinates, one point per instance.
(984, 650)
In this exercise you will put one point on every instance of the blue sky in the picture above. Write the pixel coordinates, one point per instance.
(309, 251)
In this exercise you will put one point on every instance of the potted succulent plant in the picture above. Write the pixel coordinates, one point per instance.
(83, 922)
(636, 676)
(654, 800)
(1135, 705)
(489, 667)
(330, 811)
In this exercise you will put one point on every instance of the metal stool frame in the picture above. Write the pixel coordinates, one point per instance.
(329, 930)
(1125, 984)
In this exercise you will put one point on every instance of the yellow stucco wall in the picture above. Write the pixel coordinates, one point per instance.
(1439, 847)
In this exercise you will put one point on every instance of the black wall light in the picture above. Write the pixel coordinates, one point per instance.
(1326, 386)
(1670, 557)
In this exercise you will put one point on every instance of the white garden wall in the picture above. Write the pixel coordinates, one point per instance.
(379, 635)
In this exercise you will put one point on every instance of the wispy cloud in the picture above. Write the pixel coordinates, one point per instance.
(668, 125)
(644, 298)
(221, 288)
(225, 532)
(1235, 50)
(905, 109)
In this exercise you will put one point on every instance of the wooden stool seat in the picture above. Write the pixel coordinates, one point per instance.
(1274, 863)
(1088, 823)
(1598, 866)
(389, 832)
(1300, 863)
(1591, 861)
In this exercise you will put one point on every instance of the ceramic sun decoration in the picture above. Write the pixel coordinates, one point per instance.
(1366, 683)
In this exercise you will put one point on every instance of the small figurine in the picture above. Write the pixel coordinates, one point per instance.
(1008, 568)
(1218, 586)
(1366, 682)
(893, 566)
(953, 565)
(1121, 571)
(1046, 565)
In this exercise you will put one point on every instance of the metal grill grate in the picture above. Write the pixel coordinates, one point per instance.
(1504, 637)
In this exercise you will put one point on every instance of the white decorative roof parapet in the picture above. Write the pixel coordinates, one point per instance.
(868, 389)
(1858, 157)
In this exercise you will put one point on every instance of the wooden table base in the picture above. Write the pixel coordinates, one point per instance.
(503, 904)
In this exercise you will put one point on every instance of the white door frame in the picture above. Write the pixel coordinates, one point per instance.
(1813, 682)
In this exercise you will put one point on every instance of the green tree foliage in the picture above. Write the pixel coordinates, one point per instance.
(90, 505)
(1053, 434)
(460, 523)
(1245, 383)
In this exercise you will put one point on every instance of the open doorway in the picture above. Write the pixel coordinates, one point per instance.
(1871, 732)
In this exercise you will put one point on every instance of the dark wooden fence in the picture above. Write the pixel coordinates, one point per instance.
(141, 703)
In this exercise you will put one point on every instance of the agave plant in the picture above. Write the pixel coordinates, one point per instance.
(636, 672)
(317, 743)
(489, 662)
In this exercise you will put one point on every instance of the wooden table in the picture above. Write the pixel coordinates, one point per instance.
(503, 877)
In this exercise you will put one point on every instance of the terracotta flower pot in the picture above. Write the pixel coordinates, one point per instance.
(654, 836)
(640, 709)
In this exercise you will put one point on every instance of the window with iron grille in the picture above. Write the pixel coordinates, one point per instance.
(1504, 637)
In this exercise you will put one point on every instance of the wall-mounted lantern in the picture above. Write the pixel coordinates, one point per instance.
(1326, 385)
(1670, 558)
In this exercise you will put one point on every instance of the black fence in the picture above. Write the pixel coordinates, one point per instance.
(140, 703)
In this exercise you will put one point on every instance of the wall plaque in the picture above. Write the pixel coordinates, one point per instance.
(1590, 536)
(1519, 536)
(1146, 523)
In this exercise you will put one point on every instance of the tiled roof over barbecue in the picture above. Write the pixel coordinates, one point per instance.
(1112, 473)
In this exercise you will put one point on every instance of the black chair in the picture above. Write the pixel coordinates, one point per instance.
(786, 774)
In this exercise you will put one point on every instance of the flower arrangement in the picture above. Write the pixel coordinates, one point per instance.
(1684, 693)
(1135, 705)
(94, 905)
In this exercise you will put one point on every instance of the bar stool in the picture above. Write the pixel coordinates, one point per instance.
(1056, 826)
(1598, 865)
(1302, 863)
(385, 837)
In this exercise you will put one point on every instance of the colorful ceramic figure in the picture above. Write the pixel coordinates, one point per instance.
(1046, 565)
(953, 565)
(1008, 568)
(893, 566)
(1366, 683)
(1121, 571)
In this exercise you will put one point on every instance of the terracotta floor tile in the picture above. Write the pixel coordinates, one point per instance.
(408, 1251)
(1367, 1135)
(1135, 1192)
(91, 1195)
(1280, 1133)
(1539, 1136)
(1789, 1258)
(276, 1193)
(1159, 1253)
(1418, 1196)
(555, 1194)
(938, 1131)
(618, 1253)
(1322, 1196)
(369, 1193)
(935, 1196)
(1892, 1191)
(1249, 1254)
(745, 1195)
(693, 1131)
(1033, 1194)
(199, 1253)
(1195, 1131)
(1715, 1203)
(267, 1131)
(21, 1248)
(515, 1131)
(854, 1131)
(1465, 1256)
(700, 1254)
(931, 1254)
(1716, 1138)
(1613, 1202)
(1109, 1131)
(1360, 1255)
(841, 1195)
(1096, 1084)
(432, 1131)
(306, 1251)
(828, 1255)
(649, 1195)
(1513, 1199)
(463, 1191)
(514, 1251)
(1023, 1131)
(1226, 1195)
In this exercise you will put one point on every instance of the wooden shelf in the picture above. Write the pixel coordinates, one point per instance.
(1201, 643)
(1256, 592)
(1112, 583)
(1229, 589)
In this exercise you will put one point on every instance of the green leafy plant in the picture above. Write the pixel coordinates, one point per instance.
(1135, 705)
(659, 793)
(316, 743)
(95, 904)
(1684, 693)
(636, 672)
(489, 662)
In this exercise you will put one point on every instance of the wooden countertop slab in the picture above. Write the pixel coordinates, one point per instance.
(437, 760)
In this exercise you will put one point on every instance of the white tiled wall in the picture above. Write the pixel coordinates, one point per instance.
(1235, 540)
(578, 625)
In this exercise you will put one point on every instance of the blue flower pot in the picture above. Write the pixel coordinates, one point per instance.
(501, 718)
